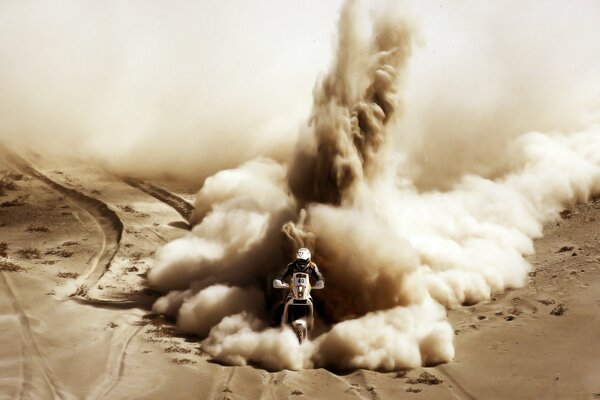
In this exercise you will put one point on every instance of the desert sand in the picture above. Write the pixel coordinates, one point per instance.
(76, 323)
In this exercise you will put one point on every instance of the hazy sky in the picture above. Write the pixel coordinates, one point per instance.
(191, 78)
(142, 70)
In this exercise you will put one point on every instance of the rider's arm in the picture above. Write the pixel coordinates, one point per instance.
(278, 281)
(319, 280)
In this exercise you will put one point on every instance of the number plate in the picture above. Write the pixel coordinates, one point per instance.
(301, 280)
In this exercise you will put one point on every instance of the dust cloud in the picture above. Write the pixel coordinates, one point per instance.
(395, 255)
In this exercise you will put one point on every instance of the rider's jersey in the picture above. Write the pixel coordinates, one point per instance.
(312, 270)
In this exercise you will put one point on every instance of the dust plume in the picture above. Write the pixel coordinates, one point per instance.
(403, 224)
(489, 72)
(240, 214)
(352, 106)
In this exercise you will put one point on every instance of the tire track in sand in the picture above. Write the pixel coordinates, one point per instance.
(182, 206)
(113, 373)
(110, 227)
(459, 392)
(30, 350)
(365, 385)
(108, 222)
(271, 383)
(221, 384)
(352, 389)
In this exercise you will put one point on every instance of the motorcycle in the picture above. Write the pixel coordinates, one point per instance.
(298, 311)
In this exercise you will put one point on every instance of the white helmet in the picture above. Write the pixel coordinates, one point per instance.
(303, 257)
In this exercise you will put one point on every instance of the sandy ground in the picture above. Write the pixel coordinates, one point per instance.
(74, 312)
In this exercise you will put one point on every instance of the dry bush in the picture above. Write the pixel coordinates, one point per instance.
(177, 349)
(7, 185)
(17, 202)
(68, 275)
(59, 252)
(10, 267)
(182, 361)
(425, 378)
(29, 253)
(37, 228)
(81, 291)
(127, 208)
(7, 182)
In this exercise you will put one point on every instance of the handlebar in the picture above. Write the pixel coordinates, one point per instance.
(277, 284)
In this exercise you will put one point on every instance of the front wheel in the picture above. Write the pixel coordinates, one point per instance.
(300, 330)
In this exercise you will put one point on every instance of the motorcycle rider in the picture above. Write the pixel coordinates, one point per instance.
(299, 317)
(302, 263)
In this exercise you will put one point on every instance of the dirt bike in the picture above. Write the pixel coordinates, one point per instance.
(298, 311)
